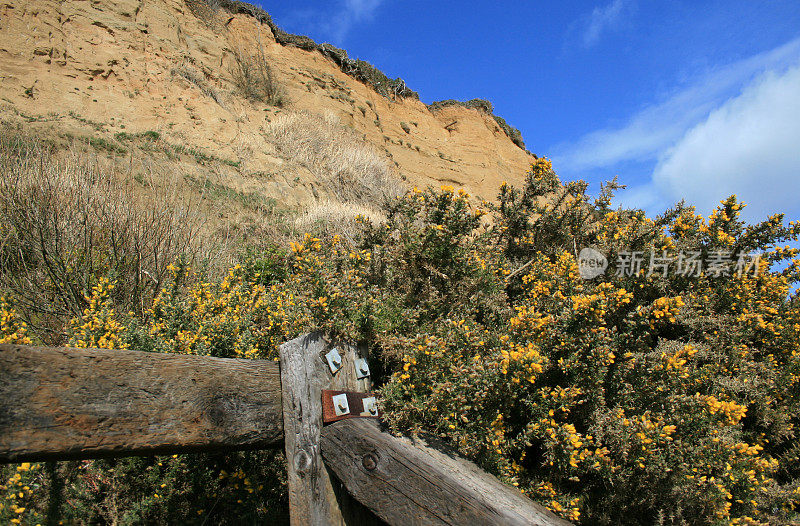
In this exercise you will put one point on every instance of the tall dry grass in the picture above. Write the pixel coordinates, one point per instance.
(65, 222)
(352, 170)
(333, 217)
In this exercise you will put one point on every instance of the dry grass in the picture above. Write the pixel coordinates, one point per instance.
(65, 221)
(191, 74)
(332, 217)
(352, 170)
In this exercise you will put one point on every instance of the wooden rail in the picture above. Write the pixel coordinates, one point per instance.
(408, 482)
(58, 404)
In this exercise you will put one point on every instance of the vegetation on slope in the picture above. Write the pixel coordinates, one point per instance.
(486, 107)
(627, 399)
(352, 170)
(356, 68)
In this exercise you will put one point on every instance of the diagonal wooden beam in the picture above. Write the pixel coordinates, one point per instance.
(408, 482)
(58, 403)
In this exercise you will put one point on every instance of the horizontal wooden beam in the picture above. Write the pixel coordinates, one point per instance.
(58, 403)
(408, 482)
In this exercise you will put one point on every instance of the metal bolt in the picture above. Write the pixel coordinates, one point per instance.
(370, 406)
(369, 461)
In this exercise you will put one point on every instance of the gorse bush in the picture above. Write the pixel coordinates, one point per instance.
(19, 485)
(638, 398)
(635, 397)
(332, 218)
(227, 488)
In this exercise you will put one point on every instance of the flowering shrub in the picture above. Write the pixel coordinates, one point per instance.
(18, 484)
(98, 328)
(632, 398)
(18, 490)
(12, 329)
(241, 317)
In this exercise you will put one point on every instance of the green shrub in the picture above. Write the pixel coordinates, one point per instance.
(514, 134)
(482, 105)
(630, 398)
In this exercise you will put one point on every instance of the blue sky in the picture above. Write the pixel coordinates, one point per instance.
(681, 99)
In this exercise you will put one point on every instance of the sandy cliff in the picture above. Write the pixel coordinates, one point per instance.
(106, 70)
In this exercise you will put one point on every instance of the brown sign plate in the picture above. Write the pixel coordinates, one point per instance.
(355, 401)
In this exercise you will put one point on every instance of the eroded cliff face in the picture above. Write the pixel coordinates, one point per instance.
(107, 70)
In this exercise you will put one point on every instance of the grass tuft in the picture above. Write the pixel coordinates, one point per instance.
(351, 169)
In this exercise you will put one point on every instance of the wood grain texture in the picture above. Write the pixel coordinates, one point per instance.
(410, 483)
(58, 403)
(315, 497)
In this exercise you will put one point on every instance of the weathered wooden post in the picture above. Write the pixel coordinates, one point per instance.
(316, 498)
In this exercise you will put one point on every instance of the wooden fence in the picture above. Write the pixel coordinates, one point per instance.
(59, 404)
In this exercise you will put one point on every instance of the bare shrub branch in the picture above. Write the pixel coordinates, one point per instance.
(254, 79)
(65, 223)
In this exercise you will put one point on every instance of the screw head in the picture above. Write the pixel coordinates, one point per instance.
(334, 360)
(370, 406)
(340, 405)
(369, 461)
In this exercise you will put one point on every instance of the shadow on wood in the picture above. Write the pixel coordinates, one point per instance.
(58, 404)
(410, 483)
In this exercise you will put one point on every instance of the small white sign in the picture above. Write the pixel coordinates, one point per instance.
(340, 405)
(370, 406)
(334, 360)
(362, 368)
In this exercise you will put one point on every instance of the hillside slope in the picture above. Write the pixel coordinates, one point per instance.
(177, 83)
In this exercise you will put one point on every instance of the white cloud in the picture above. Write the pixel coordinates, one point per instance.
(659, 126)
(602, 19)
(335, 22)
(360, 9)
(749, 146)
(353, 12)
